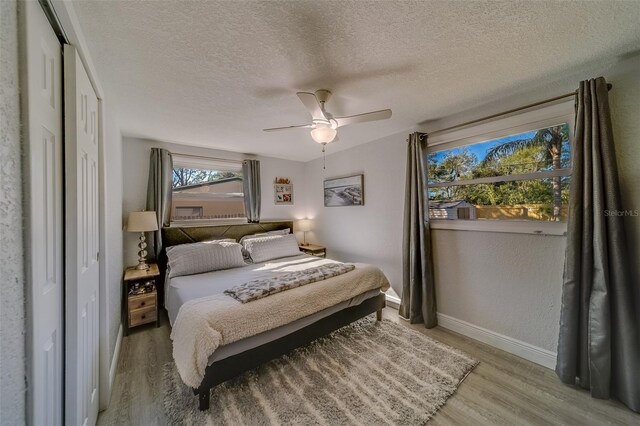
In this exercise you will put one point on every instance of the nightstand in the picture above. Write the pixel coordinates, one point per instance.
(313, 250)
(140, 297)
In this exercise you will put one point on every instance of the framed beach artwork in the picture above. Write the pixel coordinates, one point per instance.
(346, 191)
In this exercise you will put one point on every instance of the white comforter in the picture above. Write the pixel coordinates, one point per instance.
(205, 323)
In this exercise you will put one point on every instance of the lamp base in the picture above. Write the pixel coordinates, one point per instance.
(142, 254)
(142, 266)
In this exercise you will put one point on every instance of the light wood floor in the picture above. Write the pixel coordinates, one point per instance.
(502, 390)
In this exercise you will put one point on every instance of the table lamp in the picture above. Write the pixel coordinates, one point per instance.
(304, 226)
(142, 222)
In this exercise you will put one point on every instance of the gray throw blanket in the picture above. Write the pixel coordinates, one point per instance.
(257, 289)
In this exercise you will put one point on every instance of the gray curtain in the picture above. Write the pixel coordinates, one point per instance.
(251, 186)
(418, 287)
(599, 342)
(159, 192)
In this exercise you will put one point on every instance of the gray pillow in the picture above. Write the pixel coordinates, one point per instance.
(197, 258)
(261, 249)
(228, 240)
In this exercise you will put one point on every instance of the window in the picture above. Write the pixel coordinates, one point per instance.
(517, 174)
(191, 212)
(206, 189)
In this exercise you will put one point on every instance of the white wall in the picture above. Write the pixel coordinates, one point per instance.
(135, 160)
(111, 214)
(507, 283)
(510, 284)
(12, 315)
(110, 248)
(371, 233)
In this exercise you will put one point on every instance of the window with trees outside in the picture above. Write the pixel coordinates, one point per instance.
(206, 189)
(520, 177)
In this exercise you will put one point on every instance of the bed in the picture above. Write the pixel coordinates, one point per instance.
(249, 349)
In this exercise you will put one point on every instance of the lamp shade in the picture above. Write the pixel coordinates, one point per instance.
(304, 225)
(142, 222)
(323, 134)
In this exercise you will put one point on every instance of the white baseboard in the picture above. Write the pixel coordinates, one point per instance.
(116, 357)
(393, 301)
(522, 349)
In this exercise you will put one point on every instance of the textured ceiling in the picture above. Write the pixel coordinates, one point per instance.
(215, 73)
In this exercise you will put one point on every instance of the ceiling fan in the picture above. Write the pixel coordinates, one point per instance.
(323, 123)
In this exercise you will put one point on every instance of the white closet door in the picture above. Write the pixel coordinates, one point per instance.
(43, 192)
(82, 243)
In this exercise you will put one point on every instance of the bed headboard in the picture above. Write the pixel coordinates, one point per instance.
(192, 234)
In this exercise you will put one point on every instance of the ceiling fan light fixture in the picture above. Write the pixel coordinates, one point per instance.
(323, 135)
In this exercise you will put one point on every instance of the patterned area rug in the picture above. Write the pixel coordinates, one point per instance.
(366, 373)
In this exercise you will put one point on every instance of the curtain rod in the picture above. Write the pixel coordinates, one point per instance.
(204, 157)
(546, 101)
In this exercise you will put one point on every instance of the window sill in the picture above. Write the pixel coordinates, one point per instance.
(205, 222)
(511, 227)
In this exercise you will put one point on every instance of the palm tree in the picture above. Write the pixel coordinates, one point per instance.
(551, 139)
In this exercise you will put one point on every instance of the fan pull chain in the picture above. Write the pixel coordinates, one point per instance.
(324, 165)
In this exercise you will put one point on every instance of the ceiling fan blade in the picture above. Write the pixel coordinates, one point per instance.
(361, 118)
(313, 106)
(275, 129)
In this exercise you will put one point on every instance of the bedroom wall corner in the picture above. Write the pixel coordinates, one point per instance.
(371, 233)
(511, 284)
(12, 296)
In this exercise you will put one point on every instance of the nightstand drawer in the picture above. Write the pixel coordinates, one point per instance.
(142, 316)
(142, 301)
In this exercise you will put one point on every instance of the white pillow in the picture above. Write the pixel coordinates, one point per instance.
(264, 234)
(261, 249)
(197, 258)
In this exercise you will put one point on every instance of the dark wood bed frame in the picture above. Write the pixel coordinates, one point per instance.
(228, 368)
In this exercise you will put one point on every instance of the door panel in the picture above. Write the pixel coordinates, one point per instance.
(42, 97)
(82, 238)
